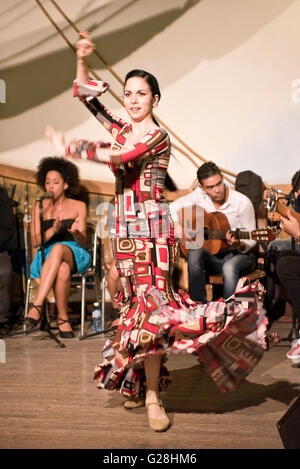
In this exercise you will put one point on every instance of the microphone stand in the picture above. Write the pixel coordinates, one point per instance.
(26, 220)
(15, 206)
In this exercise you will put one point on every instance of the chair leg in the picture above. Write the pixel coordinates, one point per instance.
(103, 283)
(97, 287)
(97, 291)
(27, 301)
(83, 282)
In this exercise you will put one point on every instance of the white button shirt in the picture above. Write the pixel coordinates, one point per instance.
(238, 209)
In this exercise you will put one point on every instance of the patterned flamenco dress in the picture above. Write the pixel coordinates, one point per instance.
(228, 338)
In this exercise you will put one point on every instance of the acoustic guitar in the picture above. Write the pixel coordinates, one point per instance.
(214, 232)
(273, 205)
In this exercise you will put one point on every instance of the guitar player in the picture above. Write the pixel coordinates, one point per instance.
(294, 201)
(238, 259)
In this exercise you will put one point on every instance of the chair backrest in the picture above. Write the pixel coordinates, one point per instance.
(92, 243)
(251, 185)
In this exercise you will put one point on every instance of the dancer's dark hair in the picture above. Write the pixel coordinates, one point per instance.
(150, 79)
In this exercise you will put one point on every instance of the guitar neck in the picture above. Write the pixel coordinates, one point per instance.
(283, 211)
(221, 234)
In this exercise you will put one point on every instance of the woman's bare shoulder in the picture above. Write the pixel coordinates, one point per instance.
(77, 204)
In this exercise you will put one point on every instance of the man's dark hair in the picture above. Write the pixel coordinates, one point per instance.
(296, 181)
(207, 170)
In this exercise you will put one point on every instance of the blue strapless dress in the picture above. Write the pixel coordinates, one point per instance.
(82, 257)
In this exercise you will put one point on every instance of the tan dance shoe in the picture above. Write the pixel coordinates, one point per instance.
(158, 425)
(134, 402)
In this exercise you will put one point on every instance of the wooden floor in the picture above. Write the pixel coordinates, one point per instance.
(48, 400)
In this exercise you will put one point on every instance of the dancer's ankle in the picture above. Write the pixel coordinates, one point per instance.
(152, 396)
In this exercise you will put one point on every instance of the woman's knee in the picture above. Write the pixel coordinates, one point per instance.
(60, 252)
(57, 251)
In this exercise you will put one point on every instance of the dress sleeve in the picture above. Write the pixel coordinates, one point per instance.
(88, 93)
(154, 143)
(86, 150)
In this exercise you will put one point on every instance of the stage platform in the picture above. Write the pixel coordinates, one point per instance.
(48, 400)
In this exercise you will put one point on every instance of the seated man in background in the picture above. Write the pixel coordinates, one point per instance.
(282, 244)
(7, 231)
(288, 271)
(214, 196)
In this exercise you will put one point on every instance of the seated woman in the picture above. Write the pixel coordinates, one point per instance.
(64, 233)
(288, 271)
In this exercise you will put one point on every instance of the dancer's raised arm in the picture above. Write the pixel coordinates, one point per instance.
(84, 49)
(88, 89)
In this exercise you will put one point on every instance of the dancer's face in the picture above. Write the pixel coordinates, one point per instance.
(138, 99)
(55, 184)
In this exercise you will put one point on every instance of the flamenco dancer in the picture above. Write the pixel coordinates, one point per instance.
(155, 320)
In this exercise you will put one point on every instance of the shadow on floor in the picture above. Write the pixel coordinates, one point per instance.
(192, 390)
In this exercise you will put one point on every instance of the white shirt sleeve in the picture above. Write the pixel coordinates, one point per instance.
(246, 220)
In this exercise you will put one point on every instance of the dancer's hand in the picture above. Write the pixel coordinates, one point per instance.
(56, 225)
(84, 46)
(57, 139)
(105, 154)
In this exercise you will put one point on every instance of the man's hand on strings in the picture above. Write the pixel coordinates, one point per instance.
(232, 240)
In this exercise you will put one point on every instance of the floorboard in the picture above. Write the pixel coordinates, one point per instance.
(48, 400)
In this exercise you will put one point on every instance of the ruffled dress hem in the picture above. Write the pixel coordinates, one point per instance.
(227, 337)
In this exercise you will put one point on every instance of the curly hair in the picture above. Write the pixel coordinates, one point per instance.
(69, 172)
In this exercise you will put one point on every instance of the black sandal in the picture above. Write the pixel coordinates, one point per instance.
(31, 322)
(64, 334)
